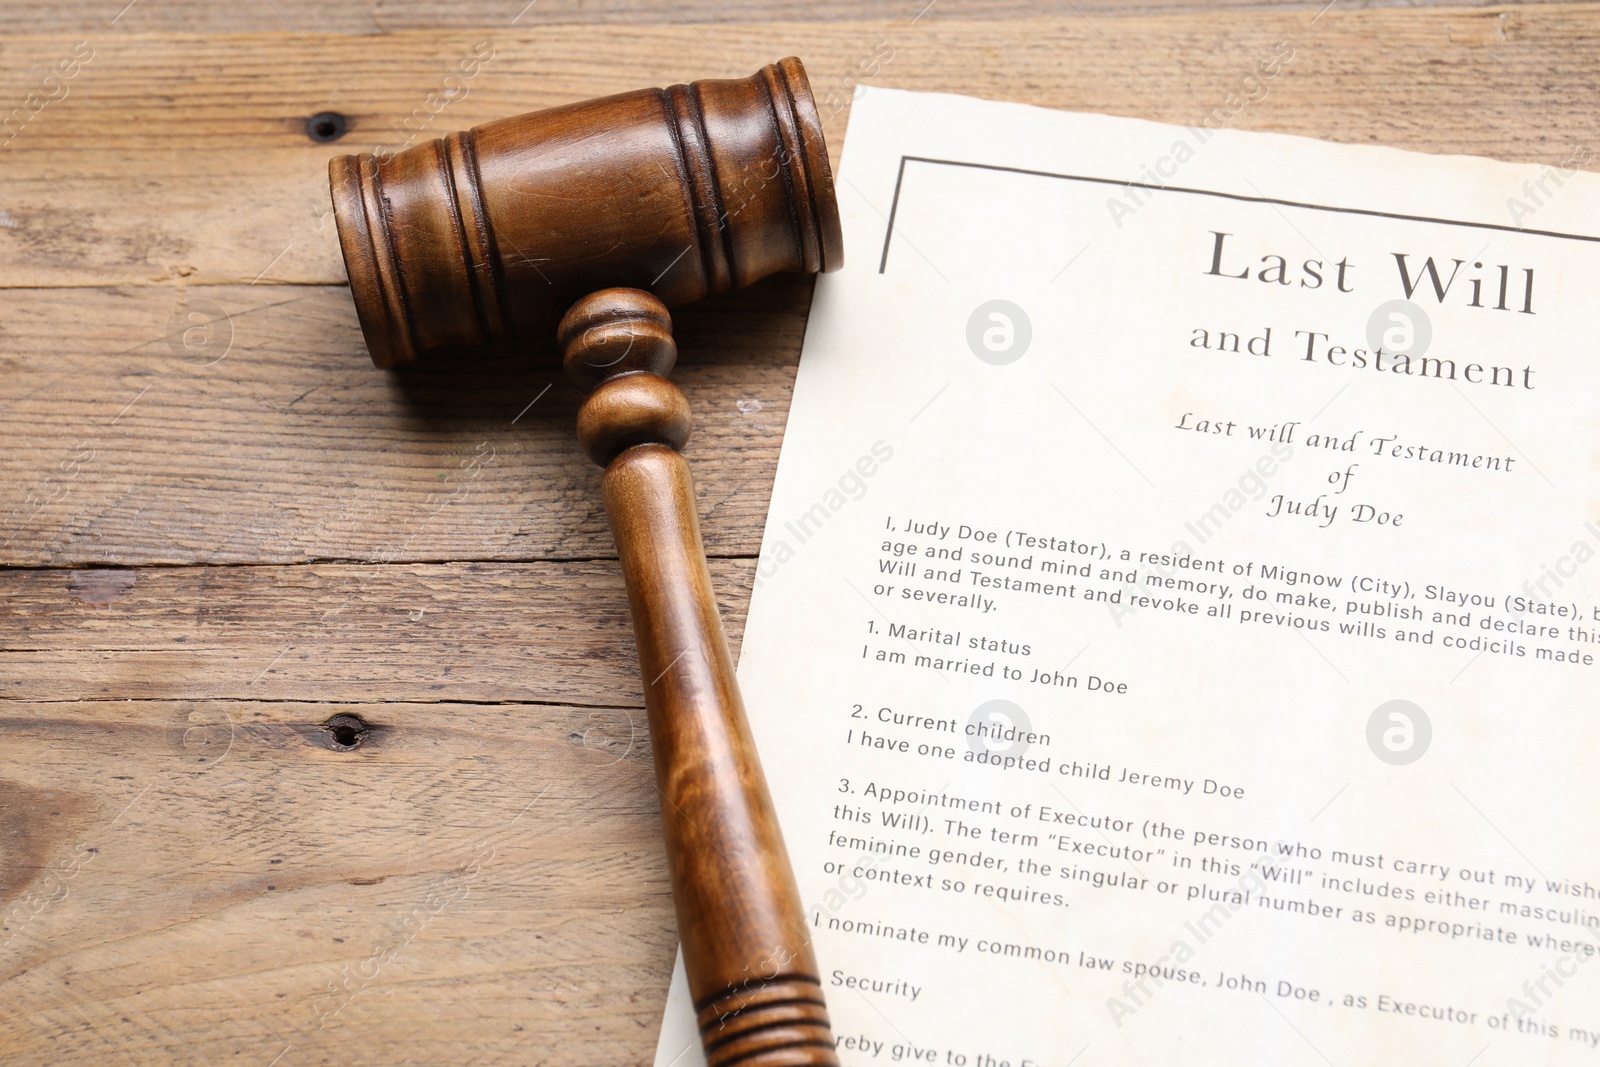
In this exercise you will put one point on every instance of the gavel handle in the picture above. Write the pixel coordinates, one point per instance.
(746, 946)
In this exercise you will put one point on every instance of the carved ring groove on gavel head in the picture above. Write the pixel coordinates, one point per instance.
(487, 237)
(600, 215)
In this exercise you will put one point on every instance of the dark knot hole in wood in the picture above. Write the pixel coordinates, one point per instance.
(345, 732)
(326, 126)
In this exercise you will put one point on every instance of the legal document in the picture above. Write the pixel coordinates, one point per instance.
(1174, 638)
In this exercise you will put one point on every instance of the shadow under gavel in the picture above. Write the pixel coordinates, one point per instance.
(596, 217)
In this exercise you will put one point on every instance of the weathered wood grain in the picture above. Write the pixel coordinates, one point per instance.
(552, 632)
(176, 156)
(200, 882)
(260, 432)
(393, 16)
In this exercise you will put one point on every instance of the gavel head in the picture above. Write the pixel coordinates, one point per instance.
(485, 238)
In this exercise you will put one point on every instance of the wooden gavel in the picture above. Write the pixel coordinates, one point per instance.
(600, 215)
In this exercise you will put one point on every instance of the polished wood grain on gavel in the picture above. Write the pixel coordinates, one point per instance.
(598, 216)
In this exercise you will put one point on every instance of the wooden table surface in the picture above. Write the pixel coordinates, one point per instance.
(222, 527)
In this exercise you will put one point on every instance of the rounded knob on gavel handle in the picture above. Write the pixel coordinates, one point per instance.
(746, 948)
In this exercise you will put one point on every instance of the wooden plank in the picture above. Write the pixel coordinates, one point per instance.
(210, 881)
(181, 157)
(551, 632)
(258, 431)
(75, 17)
